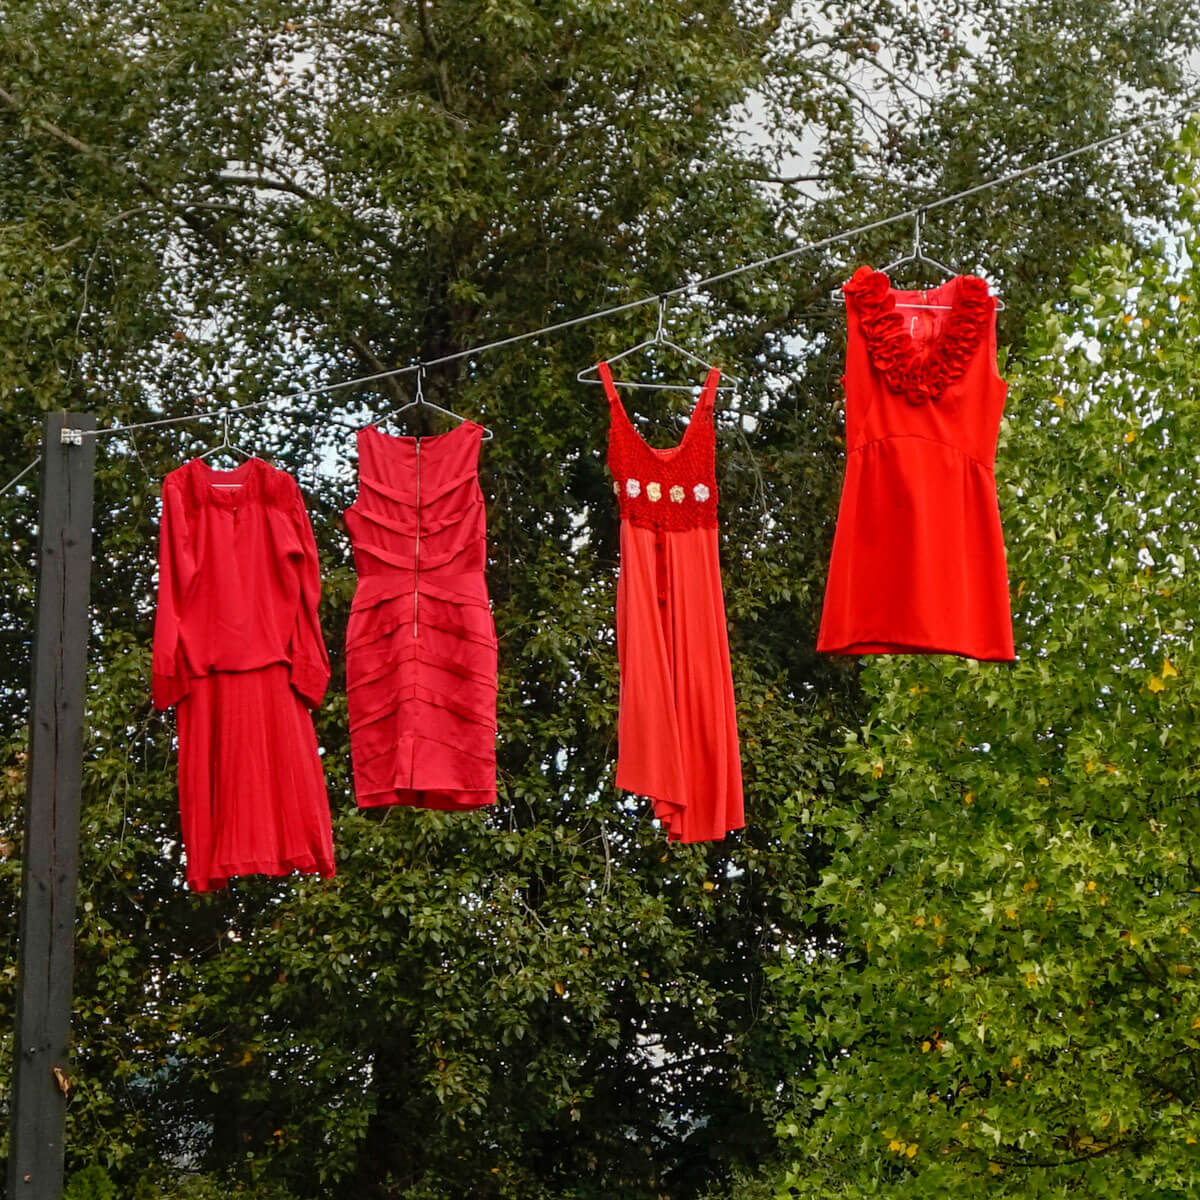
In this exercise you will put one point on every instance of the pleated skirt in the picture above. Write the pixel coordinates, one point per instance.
(677, 725)
(252, 796)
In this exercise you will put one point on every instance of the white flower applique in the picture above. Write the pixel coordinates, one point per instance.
(677, 494)
(700, 491)
(654, 491)
(633, 488)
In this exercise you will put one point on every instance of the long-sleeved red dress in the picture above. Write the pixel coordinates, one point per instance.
(238, 650)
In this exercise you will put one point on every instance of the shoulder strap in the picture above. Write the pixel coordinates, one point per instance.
(607, 379)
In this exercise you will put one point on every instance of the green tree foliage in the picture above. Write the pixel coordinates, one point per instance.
(204, 204)
(1013, 1009)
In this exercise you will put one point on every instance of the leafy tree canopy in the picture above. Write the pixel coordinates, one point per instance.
(204, 204)
(1012, 1006)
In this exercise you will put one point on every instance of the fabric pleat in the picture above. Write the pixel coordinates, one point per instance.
(238, 650)
(421, 658)
(677, 739)
(250, 780)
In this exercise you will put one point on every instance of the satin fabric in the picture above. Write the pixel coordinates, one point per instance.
(918, 563)
(677, 724)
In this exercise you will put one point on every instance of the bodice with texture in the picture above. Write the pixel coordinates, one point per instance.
(419, 520)
(421, 671)
(927, 359)
(664, 489)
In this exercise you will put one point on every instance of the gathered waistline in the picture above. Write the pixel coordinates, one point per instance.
(917, 437)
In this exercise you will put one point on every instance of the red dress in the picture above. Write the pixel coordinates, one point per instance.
(238, 650)
(918, 564)
(420, 644)
(677, 736)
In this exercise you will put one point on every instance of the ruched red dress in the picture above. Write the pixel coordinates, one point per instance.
(420, 644)
(918, 563)
(677, 740)
(238, 650)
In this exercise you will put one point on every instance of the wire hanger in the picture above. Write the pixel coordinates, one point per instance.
(419, 401)
(918, 257)
(226, 444)
(591, 375)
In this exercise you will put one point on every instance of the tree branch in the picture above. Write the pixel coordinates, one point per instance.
(277, 185)
(391, 382)
(209, 233)
(397, 253)
(146, 208)
(68, 140)
(790, 179)
(435, 52)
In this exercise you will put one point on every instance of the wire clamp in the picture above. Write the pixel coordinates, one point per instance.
(70, 437)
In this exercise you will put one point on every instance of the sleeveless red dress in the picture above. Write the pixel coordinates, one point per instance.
(677, 739)
(238, 651)
(918, 563)
(421, 656)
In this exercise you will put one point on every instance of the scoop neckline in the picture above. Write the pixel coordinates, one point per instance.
(707, 391)
(415, 437)
(664, 453)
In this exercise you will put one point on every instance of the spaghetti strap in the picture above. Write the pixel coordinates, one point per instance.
(609, 390)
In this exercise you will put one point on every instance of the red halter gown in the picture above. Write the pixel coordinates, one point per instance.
(420, 643)
(238, 650)
(677, 736)
(918, 564)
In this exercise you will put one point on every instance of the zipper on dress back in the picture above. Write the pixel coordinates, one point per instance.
(417, 547)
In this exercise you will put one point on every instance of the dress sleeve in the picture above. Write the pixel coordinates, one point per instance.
(176, 569)
(307, 655)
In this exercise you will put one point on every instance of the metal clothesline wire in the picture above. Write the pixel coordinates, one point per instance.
(907, 214)
(20, 475)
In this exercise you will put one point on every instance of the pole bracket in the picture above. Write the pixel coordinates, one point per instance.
(70, 437)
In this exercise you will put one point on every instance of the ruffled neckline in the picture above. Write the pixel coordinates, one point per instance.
(919, 377)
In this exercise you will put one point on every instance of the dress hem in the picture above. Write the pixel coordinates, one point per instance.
(274, 868)
(392, 798)
(677, 811)
(864, 646)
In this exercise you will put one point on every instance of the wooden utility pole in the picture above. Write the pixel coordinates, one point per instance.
(50, 854)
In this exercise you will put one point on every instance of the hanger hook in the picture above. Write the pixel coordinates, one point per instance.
(419, 397)
(662, 312)
(225, 427)
(918, 223)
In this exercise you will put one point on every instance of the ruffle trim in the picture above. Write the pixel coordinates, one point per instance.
(919, 378)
